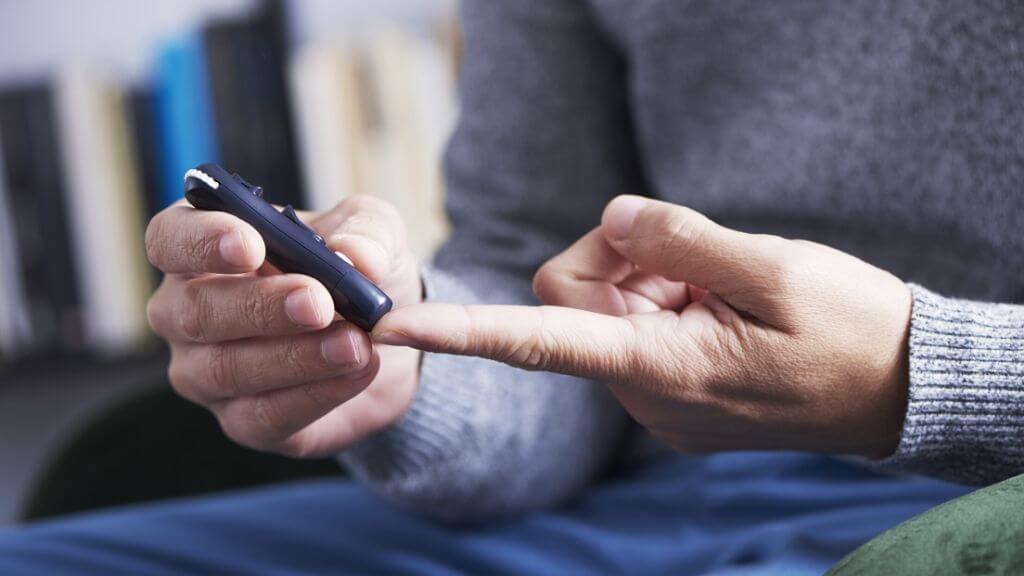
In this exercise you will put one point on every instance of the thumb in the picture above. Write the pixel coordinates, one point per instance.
(551, 338)
(684, 245)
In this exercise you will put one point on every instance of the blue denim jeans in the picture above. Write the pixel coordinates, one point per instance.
(741, 513)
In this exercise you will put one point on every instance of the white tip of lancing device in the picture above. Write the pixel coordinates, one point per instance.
(345, 258)
(202, 177)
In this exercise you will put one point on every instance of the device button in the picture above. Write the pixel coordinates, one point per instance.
(289, 212)
(254, 190)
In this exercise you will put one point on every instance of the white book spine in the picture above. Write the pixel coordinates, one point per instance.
(416, 106)
(331, 141)
(104, 203)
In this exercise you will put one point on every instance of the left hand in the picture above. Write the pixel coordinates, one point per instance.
(713, 339)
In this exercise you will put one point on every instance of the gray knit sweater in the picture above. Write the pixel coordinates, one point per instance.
(890, 129)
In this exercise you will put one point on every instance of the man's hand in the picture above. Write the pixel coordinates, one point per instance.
(711, 338)
(264, 351)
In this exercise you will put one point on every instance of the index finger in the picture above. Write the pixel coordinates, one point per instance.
(552, 338)
(184, 240)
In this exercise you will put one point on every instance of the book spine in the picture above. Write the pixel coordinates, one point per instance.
(36, 201)
(15, 325)
(325, 89)
(106, 215)
(183, 109)
(251, 106)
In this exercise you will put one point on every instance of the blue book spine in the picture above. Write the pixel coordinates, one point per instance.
(184, 114)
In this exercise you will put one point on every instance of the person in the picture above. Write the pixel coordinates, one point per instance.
(782, 238)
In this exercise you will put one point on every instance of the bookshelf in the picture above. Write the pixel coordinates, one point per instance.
(111, 113)
(241, 82)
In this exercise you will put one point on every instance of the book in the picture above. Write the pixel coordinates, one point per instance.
(15, 325)
(38, 212)
(141, 105)
(104, 203)
(140, 102)
(182, 108)
(415, 110)
(327, 93)
(245, 62)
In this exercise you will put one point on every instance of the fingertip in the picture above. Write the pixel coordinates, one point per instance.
(348, 345)
(389, 330)
(233, 250)
(323, 302)
(184, 240)
(310, 306)
(410, 325)
(368, 256)
(617, 219)
(242, 248)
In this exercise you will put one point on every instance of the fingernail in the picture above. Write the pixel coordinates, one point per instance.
(301, 308)
(393, 338)
(619, 216)
(345, 258)
(378, 255)
(340, 348)
(232, 249)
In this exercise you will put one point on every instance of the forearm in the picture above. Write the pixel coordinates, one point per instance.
(965, 413)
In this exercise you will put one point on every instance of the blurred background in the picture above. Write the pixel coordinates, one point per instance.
(103, 106)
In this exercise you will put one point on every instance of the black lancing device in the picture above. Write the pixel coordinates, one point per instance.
(292, 246)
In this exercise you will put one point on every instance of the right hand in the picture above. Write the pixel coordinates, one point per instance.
(265, 351)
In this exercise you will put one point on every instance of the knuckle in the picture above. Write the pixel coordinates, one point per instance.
(156, 311)
(357, 205)
(267, 416)
(634, 359)
(536, 351)
(179, 378)
(785, 265)
(152, 317)
(239, 431)
(314, 393)
(367, 203)
(194, 315)
(682, 230)
(528, 354)
(774, 247)
(154, 232)
(222, 371)
(291, 354)
(200, 246)
(257, 308)
(379, 219)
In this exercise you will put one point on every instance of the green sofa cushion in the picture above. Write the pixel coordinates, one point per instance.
(981, 533)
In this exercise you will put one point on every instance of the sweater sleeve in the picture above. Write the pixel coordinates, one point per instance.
(542, 142)
(965, 415)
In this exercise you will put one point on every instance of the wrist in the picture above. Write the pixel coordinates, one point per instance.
(887, 423)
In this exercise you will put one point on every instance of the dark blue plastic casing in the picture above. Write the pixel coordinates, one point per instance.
(291, 245)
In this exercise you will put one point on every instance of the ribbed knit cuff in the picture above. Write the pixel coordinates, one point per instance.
(435, 420)
(403, 459)
(965, 415)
